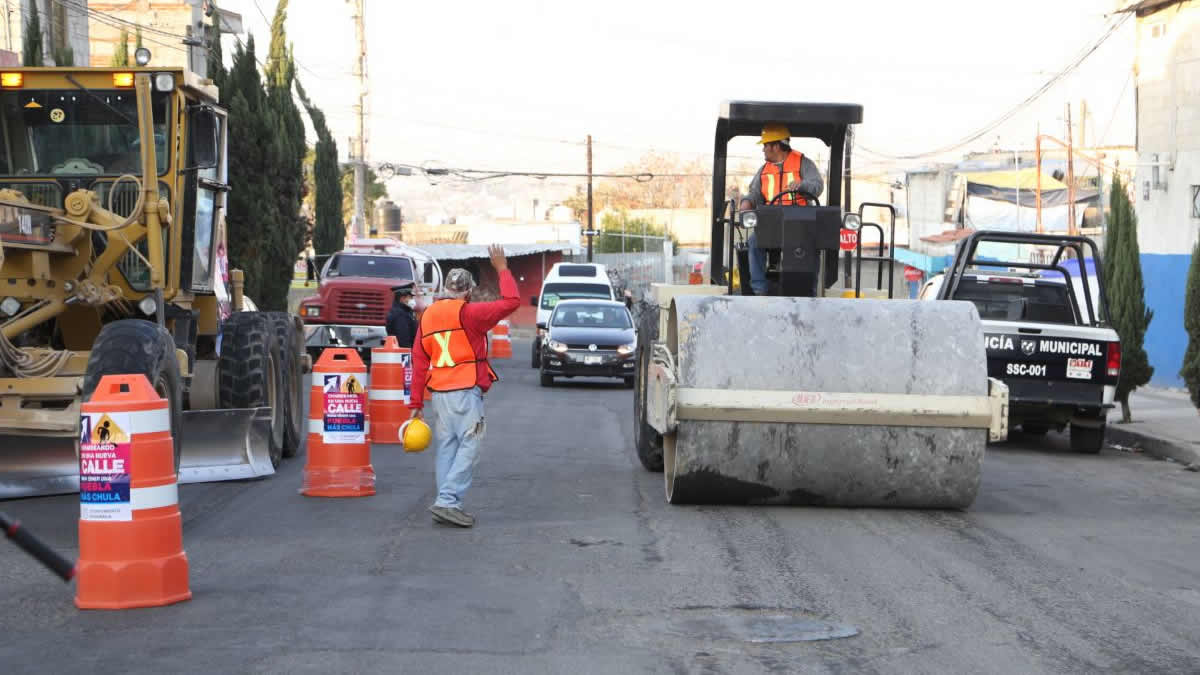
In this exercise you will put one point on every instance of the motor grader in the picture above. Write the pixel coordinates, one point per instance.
(799, 398)
(113, 186)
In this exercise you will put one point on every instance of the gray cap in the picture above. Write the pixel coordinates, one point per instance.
(459, 281)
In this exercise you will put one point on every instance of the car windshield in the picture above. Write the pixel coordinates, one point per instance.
(378, 266)
(1008, 301)
(591, 316)
(66, 132)
(554, 292)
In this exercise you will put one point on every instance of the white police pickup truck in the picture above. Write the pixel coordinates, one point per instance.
(1045, 329)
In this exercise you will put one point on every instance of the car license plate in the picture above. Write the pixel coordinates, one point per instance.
(1079, 369)
(358, 331)
(592, 360)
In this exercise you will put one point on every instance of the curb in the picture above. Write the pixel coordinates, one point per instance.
(1154, 446)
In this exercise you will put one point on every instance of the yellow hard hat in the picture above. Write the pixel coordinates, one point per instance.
(415, 435)
(774, 132)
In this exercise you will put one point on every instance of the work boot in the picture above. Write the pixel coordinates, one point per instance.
(452, 516)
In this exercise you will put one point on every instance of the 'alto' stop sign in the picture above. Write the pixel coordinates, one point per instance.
(912, 274)
(849, 239)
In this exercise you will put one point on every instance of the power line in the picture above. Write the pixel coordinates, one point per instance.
(1088, 51)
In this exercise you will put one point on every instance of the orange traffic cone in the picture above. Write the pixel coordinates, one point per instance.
(339, 456)
(130, 531)
(501, 345)
(391, 382)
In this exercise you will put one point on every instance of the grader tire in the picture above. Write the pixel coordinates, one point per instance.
(645, 438)
(250, 372)
(291, 349)
(139, 347)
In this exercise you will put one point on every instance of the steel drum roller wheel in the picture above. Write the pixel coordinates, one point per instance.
(729, 347)
(133, 347)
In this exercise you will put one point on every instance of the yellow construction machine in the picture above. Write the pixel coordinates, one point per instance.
(112, 201)
(792, 397)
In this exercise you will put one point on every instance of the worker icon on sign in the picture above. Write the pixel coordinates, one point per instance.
(352, 386)
(104, 432)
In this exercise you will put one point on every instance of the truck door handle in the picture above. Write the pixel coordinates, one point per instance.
(1034, 331)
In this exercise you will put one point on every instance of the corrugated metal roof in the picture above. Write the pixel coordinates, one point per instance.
(473, 251)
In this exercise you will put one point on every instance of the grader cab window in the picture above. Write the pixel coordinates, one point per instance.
(67, 132)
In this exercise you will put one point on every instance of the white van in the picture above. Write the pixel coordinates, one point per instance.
(569, 281)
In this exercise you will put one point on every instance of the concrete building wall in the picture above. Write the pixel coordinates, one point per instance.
(1168, 173)
(166, 24)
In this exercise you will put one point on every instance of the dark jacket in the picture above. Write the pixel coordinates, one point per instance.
(402, 323)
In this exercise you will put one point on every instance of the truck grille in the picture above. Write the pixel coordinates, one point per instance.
(361, 306)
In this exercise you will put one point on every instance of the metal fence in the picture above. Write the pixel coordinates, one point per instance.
(647, 260)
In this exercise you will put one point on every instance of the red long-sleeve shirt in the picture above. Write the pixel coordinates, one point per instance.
(477, 318)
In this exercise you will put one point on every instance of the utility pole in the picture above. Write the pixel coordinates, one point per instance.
(590, 231)
(1070, 176)
(360, 158)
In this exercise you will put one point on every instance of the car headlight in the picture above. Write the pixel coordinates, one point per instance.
(148, 305)
(626, 350)
(10, 306)
(556, 346)
(312, 311)
(749, 219)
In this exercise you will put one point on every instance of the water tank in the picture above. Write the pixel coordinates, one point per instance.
(388, 217)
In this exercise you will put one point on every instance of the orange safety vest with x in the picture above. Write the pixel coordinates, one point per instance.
(773, 183)
(452, 360)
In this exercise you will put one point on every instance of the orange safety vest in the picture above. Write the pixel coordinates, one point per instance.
(451, 358)
(772, 184)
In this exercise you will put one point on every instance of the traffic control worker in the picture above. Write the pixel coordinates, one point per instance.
(783, 167)
(450, 362)
(402, 318)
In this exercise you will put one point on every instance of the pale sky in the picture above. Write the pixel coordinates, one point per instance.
(499, 85)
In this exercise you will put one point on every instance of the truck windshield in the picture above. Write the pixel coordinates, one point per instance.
(1043, 302)
(378, 266)
(552, 293)
(66, 132)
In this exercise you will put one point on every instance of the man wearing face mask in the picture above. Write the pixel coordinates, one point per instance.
(401, 318)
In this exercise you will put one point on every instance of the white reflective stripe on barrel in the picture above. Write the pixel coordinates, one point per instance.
(141, 421)
(388, 395)
(154, 497)
(318, 427)
(397, 358)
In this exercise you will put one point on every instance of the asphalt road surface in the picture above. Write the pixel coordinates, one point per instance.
(1065, 563)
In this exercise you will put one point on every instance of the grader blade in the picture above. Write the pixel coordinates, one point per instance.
(33, 466)
(227, 444)
(218, 445)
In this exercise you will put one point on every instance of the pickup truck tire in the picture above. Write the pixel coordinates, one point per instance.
(547, 380)
(291, 348)
(139, 347)
(646, 439)
(535, 361)
(249, 372)
(1088, 440)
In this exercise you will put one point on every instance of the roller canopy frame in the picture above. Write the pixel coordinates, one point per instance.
(827, 122)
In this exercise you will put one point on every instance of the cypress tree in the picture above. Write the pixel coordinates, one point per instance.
(32, 52)
(1191, 322)
(329, 233)
(120, 57)
(1126, 295)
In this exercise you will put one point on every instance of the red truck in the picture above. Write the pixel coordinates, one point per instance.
(355, 294)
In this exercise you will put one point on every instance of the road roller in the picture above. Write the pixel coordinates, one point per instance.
(801, 395)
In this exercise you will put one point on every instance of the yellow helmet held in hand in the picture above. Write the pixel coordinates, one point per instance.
(415, 435)
(774, 132)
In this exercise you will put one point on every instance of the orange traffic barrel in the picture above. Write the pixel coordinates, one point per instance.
(391, 383)
(501, 345)
(130, 530)
(339, 454)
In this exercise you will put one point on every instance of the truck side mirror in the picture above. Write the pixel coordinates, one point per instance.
(542, 326)
(205, 138)
(533, 301)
